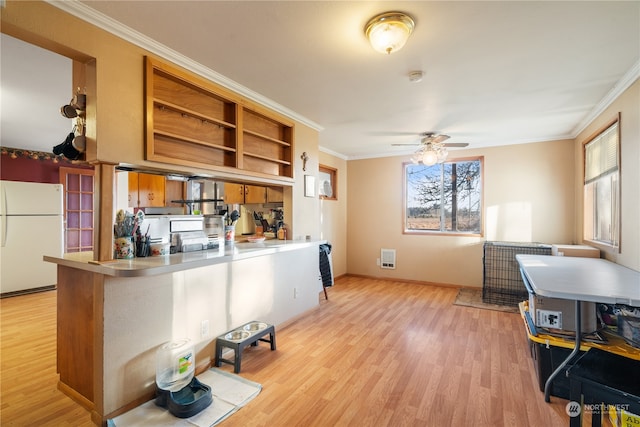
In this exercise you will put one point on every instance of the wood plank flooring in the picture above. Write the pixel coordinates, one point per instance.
(28, 376)
(377, 353)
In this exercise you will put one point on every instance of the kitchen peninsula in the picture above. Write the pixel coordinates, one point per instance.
(113, 315)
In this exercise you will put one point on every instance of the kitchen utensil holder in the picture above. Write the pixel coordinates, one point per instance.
(124, 247)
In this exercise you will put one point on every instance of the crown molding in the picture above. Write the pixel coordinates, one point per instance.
(86, 13)
(333, 153)
(100, 20)
(623, 84)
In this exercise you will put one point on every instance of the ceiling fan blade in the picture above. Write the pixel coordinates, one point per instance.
(412, 144)
(438, 138)
(455, 144)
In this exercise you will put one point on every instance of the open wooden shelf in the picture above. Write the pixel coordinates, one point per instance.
(194, 141)
(191, 121)
(268, 138)
(257, 156)
(185, 111)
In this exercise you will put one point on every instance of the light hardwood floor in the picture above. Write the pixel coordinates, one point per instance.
(377, 353)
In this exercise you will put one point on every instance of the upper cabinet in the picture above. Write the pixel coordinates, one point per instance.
(255, 194)
(146, 190)
(193, 122)
(174, 190)
(275, 195)
(241, 193)
(267, 144)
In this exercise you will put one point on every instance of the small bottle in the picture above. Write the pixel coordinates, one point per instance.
(282, 234)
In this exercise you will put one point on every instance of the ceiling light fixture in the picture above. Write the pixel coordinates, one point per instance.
(389, 31)
(430, 154)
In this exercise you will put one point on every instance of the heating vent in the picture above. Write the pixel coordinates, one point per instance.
(388, 258)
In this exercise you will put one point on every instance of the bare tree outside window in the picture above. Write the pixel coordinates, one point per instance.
(444, 198)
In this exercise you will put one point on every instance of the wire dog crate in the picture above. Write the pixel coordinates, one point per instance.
(501, 280)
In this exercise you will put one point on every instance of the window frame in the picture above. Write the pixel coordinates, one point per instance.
(589, 213)
(333, 181)
(408, 231)
(80, 212)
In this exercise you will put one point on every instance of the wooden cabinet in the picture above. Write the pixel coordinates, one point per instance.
(240, 193)
(146, 190)
(255, 194)
(133, 189)
(267, 143)
(151, 190)
(174, 190)
(233, 193)
(194, 122)
(275, 195)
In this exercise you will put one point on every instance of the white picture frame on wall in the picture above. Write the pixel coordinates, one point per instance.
(309, 186)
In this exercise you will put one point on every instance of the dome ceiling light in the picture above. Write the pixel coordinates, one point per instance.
(389, 31)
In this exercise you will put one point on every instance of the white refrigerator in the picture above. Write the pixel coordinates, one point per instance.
(31, 226)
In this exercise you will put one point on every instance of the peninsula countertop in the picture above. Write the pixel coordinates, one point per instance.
(150, 266)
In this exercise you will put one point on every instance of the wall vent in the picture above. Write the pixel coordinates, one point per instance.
(388, 258)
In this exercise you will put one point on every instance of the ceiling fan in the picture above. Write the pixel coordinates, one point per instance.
(433, 149)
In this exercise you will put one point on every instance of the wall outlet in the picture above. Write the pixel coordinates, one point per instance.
(204, 329)
(295, 293)
(378, 262)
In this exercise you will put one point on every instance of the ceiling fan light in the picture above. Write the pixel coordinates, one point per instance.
(429, 157)
(389, 31)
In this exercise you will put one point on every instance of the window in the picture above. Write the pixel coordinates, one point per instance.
(328, 182)
(444, 198)
(602, 187)
(78, 211)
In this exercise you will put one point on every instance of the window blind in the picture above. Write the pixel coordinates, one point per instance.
(601, 154)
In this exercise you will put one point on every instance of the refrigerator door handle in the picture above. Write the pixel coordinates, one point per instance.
(3, 216)
(3, 229)
(3, 202)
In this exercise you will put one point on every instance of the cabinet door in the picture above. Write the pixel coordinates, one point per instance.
(151, 190)
(255, 194)
(233, 193)
(133, 189)
(174, 190)
(275, 194)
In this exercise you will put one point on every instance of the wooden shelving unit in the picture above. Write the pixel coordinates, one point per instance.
(196, 123)
(267, 144)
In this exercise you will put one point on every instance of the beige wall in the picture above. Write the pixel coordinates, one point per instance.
(333, 215)
(306, 210)
(628, 105)
(528, 197)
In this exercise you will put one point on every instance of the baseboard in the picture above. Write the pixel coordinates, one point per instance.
(75, 396)
(418, 282)
(28, 291)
